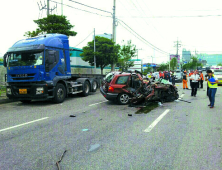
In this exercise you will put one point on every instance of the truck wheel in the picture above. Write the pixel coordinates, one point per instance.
(123, 99)
(86, 88)
(94, 86)
(25, 101)
(60, 93)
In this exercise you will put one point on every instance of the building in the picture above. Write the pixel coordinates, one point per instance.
(210, 59)
(186, 55)
(137, 65)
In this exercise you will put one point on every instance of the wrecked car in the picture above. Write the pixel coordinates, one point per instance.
(131, 88)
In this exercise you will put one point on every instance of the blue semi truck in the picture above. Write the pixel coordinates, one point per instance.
(38, 68)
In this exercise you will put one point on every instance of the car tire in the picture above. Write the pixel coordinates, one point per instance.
(26, 101)
(86, 89)
(94, 86)
(60, 93)
(123, 99)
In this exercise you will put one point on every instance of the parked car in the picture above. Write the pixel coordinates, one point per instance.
(179, 77)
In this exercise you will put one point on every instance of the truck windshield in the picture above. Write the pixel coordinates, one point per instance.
(25, 58)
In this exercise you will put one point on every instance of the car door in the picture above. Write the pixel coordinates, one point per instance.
(121, 83)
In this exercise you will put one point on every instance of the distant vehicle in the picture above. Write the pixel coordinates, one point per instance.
(204, 69)
(218, 74)
(179, 77)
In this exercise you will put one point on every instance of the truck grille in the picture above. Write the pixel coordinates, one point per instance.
(23, 76)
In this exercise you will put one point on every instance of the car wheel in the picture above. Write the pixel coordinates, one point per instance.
(123, 99)
(60, 93)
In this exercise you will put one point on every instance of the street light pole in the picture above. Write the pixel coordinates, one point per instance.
(114, 28)
(47, 8)
(94, 51)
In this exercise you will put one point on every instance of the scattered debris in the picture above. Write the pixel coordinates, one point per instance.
(176, 100)
(57, 163)
(72, 116)
(184, 100)
(148, 108)
(94, 147)
(100, 119)
(84, 112)
(186, 115)
(130, 115)
(160, 104)
(84, 130)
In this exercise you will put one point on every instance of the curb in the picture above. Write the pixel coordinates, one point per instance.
(4, 100)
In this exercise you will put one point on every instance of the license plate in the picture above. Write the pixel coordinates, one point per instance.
(22, 91)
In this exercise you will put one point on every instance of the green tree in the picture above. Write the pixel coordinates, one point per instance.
(173, 63)
(163, 67)
(193, 64)
(127, 52)
(147, 70)
(52, 24)
(106, 52)
(220, 64)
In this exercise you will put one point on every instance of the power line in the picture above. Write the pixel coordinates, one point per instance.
(173, 16)
(140, 38)
(84, 39)
(81, 9)
(143, 38)
(90, 6)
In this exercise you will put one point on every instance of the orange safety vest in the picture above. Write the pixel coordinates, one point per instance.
(201, 76)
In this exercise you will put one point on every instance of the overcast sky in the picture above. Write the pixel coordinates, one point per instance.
(160, 22)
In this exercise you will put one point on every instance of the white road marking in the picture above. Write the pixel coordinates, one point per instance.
(12, 127)
(156, 121)
(98, 103)
(181, 95)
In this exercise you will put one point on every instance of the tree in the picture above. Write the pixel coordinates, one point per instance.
(52, 24)
(193, 64)
(106, 52)
(220, 64)
(126, 53)
(163, 67)
(173, 63)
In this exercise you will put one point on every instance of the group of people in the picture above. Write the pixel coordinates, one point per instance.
(167, 75)
(196, 81)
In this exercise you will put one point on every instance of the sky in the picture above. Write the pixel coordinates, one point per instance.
(159, 22)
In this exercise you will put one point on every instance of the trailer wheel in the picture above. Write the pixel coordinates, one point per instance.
(86, 89)
(94, 86)
(60, 93)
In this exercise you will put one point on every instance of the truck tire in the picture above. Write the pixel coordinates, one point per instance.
(25, 101)
(123, 99)
(86, 89)
(94, 86)
(60, 93)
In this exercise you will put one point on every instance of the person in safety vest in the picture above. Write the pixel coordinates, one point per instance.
(212, 82)
(185, 80)
(201, 80)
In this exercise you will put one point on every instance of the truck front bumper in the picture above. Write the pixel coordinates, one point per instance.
(31, 89)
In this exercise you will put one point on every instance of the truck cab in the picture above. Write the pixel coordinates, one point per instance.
(39, 68)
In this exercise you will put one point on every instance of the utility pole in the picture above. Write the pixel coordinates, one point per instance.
(47, 8)
(114, 29)
(137, 50)
(94, 51)
(177, 45)
(61, 7)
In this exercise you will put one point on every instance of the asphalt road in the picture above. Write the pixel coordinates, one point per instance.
(177, 135)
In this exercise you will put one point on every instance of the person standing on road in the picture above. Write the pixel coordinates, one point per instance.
(212, 82)
(201, 80)
(185, 80)
(190, 74)
(173, 77)
(194, 78)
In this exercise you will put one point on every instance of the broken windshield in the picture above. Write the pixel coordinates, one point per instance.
(25, 58)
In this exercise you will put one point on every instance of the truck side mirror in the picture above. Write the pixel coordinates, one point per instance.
(5, 60)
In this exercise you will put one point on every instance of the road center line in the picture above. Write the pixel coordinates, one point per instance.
(156, 121)
(12, 127)
(98, 103)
